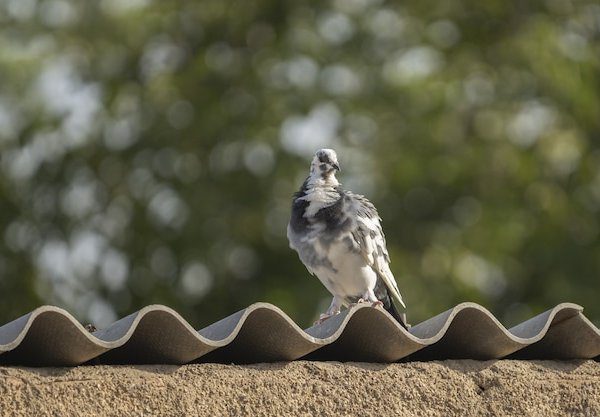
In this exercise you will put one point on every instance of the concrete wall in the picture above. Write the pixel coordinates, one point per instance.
(449, 388)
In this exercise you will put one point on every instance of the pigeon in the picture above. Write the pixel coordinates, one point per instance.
(338, 237)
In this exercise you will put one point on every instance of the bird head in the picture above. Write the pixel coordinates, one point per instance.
(324, 164)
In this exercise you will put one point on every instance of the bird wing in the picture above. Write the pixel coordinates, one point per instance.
(368, 234)
(296, 244)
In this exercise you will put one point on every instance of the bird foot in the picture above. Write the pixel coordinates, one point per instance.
(373, 303)
(322, 318)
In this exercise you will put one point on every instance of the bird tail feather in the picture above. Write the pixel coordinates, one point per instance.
(400, 317)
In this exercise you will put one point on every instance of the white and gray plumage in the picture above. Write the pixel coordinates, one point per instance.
(338, 237)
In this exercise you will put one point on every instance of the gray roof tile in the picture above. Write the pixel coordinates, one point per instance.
(50, 336)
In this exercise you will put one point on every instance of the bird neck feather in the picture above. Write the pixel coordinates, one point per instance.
(317, 180)
(320, 192)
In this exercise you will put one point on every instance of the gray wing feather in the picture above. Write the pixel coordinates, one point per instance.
(368, 234)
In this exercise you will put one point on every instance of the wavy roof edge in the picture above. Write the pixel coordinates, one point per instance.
(50, 336)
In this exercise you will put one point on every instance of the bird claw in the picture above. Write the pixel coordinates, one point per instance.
(373, 303)
(325, 316)
(322, 318)
(362, 301)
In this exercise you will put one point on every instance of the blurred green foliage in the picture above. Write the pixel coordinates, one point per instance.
(149, 150)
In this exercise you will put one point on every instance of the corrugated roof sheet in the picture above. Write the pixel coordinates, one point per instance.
(50, 336)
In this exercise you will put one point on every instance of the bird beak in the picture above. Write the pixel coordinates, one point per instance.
(336, 166)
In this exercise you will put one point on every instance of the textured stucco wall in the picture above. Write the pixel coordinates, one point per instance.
(307, 388)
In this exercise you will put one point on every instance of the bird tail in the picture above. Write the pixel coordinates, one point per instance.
(400, 317)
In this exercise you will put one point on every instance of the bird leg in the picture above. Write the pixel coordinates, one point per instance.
(334, 308)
